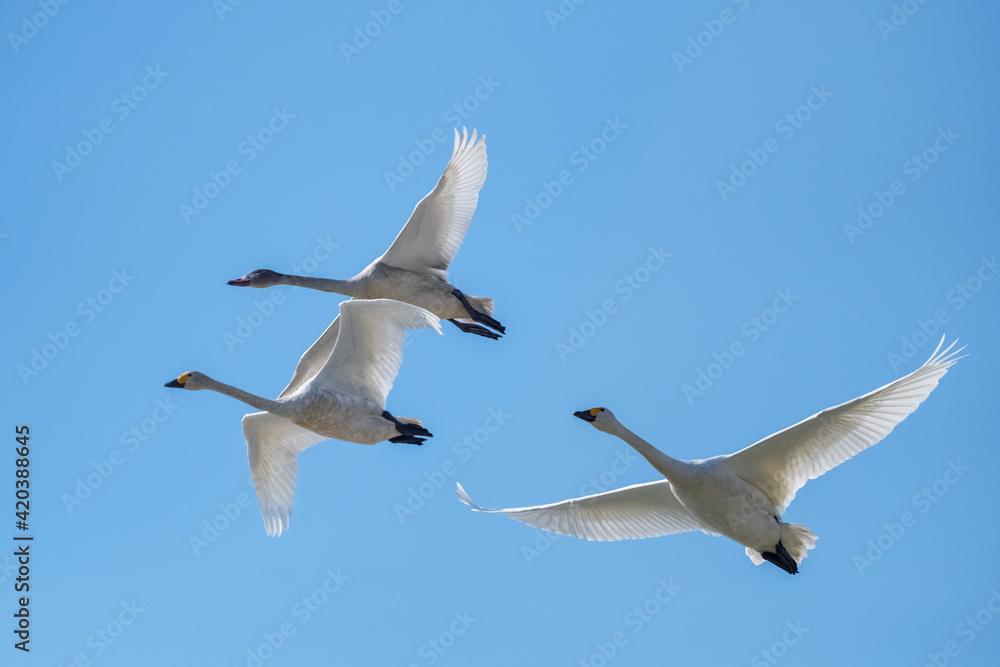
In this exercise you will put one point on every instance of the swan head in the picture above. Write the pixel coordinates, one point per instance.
(258, 278)
(600, 418)
(192, 380)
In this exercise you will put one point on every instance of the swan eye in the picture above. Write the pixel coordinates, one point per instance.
(183, 378)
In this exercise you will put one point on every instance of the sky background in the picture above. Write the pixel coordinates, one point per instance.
(154, 152)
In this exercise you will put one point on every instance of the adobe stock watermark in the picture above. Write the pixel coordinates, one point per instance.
(923, 501)
(104, 637)
(956, 299)
(131, 440)
(453, 116)
(786, 126)
(626, 287)
(913, 168)
(581, 159)
(302, 611)
(435, 647)
(751, 331)
(264, 308)
(364, 34)
(7, 568)
(634, 620)
(898, 17)
(599, 483)
(779, 649)
(31, 24)
(220, 522)
(87, 311)
(248, 149)
(223, 7)
(121, 107)
(703, 39)
(463, 450)
(967, 630)
(562, 12)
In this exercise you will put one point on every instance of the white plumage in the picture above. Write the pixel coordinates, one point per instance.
(338, 391)
(415, 267)
(741, 495)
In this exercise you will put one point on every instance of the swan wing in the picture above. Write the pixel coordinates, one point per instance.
(432, 236)
(630, 513)
(273, 444)
(313, 359)
(368, 350)
(781, 463)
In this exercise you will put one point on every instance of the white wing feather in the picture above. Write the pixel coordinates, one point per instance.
(432, 236)
(313, 359)
(630, 513)
(369, 347)
(781, 463)
(273, 444)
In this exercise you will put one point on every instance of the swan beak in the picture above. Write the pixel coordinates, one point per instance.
(240, 282)
(175, 384)
(585, 415)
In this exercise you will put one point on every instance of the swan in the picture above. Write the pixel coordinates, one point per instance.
(415, 267)
(742, 495)
(338, 391)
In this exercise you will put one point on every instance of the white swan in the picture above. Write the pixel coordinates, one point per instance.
(338, 391)
(415, 267)
(742, 495)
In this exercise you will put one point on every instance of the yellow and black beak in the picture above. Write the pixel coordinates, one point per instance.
(587, 415)
(179, 382)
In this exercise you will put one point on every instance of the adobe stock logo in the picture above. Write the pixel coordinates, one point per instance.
(122, 107)
(786, 126)
(30, 27)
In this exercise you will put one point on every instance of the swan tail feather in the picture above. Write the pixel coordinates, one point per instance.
(798, 540)
(481, 303)
(795, 542)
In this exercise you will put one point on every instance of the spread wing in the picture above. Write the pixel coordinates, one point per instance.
(631, 513)
(781, 463)
(273, 443)
(368, 350)
(433, 234)
(313, 359)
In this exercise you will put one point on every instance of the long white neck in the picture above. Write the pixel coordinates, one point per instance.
(346, 287)
(265, 404)
(666, 465)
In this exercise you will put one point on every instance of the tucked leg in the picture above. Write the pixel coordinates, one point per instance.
(475, 329)
(482, 318)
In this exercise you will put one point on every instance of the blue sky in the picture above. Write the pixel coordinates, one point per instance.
(812, 184)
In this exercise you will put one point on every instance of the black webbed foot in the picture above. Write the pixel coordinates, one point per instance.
(474, 314)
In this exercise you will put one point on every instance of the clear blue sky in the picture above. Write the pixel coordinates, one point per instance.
(662, 181)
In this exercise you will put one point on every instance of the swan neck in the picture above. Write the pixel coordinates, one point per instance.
(265, 404)
(345, 287)
(665, 464)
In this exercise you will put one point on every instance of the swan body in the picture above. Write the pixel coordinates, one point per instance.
(415, 267)
(338, 391)
(741, 495)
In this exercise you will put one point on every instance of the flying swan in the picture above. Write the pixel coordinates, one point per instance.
(742, 495)
(338, 391)
(415, 267)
